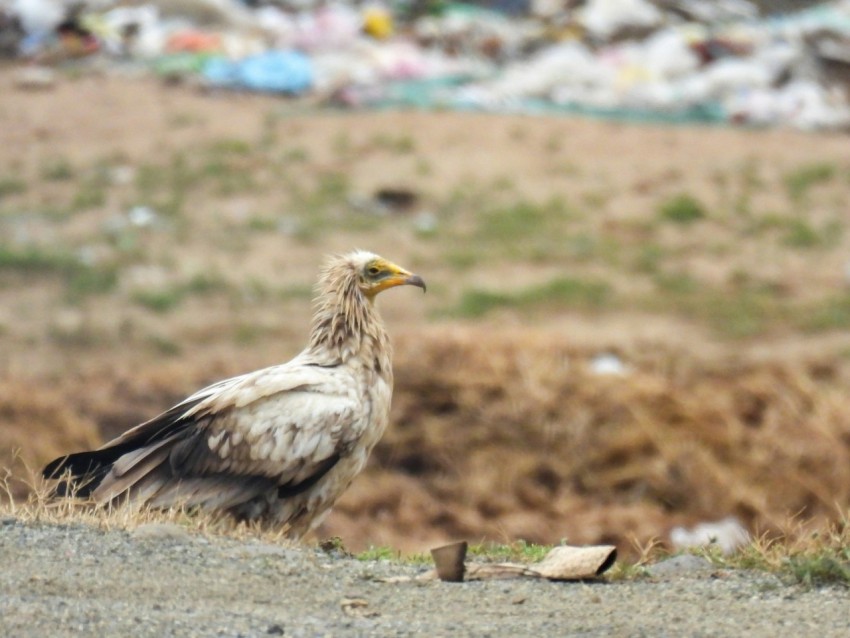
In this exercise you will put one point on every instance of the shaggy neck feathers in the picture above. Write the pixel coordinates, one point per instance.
(346, 324)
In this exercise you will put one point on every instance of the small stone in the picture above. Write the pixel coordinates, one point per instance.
(275, 630)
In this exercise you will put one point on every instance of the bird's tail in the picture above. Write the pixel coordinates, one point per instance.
(81, 473)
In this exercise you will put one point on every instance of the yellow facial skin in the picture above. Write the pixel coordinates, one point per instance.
(380, 274)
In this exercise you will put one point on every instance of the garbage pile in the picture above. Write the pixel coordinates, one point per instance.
(664, 60)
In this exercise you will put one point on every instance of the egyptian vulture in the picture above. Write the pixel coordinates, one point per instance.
(280, 444)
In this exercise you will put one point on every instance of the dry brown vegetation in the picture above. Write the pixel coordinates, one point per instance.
(710, 261)
(534, 445)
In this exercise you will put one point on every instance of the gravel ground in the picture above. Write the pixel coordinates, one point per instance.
(74, 580)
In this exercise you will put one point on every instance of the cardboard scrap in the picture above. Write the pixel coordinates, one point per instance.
(561, 563)
(576, 563)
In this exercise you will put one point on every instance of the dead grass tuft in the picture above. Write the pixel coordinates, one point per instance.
(40, 507)
(812, 558)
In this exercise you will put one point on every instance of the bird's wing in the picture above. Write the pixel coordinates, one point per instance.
(275, 423)
(283, 426)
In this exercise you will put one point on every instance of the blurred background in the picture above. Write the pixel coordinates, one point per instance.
(631, 215)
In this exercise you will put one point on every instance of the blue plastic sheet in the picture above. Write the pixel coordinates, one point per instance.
(274, 71)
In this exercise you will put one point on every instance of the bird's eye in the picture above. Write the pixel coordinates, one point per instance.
(374, 270)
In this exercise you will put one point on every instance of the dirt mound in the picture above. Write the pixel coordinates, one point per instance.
(506, 436)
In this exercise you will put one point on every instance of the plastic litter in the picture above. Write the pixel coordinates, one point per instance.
(605, 18)
(608, 364)
(378, 22)
(727, 534)
(273, 71)
(636, 60)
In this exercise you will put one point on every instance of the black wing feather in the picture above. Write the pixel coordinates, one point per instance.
(87, 469)
(285, 491)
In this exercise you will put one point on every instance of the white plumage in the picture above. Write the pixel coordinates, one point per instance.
(280, 444)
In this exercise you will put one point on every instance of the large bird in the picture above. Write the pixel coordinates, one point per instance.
(280, 444)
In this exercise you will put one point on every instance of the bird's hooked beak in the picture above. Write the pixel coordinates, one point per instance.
(416, 280)
(398, 277)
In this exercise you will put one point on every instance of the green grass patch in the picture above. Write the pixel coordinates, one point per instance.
(820, 570)
(517, 552)
(399, 144)
(164, 346)
(37, 260)
(744, 308)
(677, 283)
(206, 284)
(518, 220)
(379, 553)
(163, 300)
(230, 146)
(262, 223)
(159, 300)
(87, 281)
(80, 279)
(91, 194)
(800, 181)
(832, 313)
(597, 199)
(11, 186)
(230, 177)
(57, 169)
(295, 155)
(569, 292)
(332, 187)
(423, 167)
(800, 234)
(649, 258)
(682, 209)
(342, 143)
(736, 314)
(165, 188)
(519, 230)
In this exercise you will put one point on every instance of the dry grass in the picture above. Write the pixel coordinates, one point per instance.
(520, 439)
(810, 558)
(41, 507)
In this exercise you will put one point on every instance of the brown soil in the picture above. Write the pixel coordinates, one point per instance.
(501, 430)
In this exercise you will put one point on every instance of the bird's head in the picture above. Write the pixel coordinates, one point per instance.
(344, 311)
(375, 274)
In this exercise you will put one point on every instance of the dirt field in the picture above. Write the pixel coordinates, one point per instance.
(80, 580)
(154, 239)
